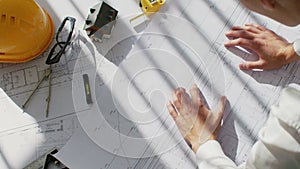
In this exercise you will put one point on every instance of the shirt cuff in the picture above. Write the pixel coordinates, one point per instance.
(288, 108)
(209, 149)
(296, 46)
(211, 155)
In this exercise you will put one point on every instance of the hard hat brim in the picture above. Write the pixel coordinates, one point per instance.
(29, 55)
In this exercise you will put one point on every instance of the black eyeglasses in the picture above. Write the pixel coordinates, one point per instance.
(62, 44)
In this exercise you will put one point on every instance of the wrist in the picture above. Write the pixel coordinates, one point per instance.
(296, 48)
(194, 144)
(293, 51)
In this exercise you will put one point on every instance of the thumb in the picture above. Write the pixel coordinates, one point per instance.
(214, 120)
(219, 112)
(221, 106)
(251, 65)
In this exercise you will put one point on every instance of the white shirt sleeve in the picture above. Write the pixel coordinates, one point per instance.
(211, 156)
(278, 146)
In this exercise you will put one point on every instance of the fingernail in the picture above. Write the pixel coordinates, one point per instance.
(223, 98)
(227, 32)
(181, 88)
(227, 44)
(243, 67)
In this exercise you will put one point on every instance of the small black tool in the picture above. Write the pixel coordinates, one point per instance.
(87, 89)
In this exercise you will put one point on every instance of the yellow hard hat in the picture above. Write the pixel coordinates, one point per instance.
(26, 30)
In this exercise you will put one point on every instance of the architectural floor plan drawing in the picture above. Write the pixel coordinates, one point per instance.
(131, 77)
(39, 134)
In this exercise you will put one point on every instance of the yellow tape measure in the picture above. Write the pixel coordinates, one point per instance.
(149, 6)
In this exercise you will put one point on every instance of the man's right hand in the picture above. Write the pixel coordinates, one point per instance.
(195, 121)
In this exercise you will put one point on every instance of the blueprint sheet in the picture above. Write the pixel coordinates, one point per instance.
(195, 39)
(38, 134)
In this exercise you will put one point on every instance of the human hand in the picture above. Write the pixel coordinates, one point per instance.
(273, 50)
(195, 121)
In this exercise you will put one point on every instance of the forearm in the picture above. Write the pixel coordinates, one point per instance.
(278, 146)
